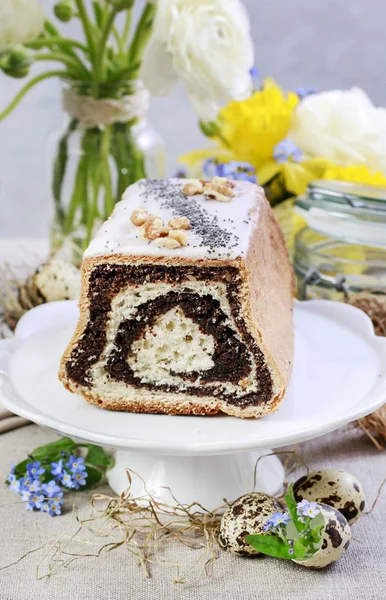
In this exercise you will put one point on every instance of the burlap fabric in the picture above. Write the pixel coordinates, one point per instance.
(359, 575)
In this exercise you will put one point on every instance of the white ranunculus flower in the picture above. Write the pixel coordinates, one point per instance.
(21, 21)
(207, 45)
(343, 126)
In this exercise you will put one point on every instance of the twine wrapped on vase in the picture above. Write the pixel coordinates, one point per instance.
(97, 112)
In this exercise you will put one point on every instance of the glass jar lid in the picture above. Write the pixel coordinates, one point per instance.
(347, 211)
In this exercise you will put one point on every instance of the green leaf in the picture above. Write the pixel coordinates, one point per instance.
(303, 542)
(301, 548)
(291, 504)
(94, 477)
(47, 476)
(54, 449)
(98, 13)
(96, 456)
(22, 466)
(316, 533)
(50, 28)
(270, 545)
(209, 128)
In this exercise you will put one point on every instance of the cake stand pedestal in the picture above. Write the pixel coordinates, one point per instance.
(208, 479)
(339, 376)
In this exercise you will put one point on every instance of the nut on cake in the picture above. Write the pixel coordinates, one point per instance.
(186, 303)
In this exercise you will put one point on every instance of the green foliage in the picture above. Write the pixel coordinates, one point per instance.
(96, 459)
(298, 539)
(59, 170)
(121, 4)
(300, 549)
(270, 545)
(16, 62)
(291, 504)
(53, 450)
(316, 534)
(94, 477)
(104, 52)
(96, 456)
(210, 129)
(104, 65)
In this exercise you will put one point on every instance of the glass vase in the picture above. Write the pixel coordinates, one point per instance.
(104, 145)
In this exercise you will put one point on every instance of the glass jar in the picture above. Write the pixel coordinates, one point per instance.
(104, 145)
(340, 254)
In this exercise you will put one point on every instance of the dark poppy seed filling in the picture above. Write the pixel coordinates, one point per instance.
(233, 350)
(231, 357)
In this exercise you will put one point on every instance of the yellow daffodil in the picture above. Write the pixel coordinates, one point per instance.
(355, 174)
(252, 128)
(296, 175)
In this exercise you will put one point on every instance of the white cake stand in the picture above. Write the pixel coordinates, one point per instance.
(339, 376)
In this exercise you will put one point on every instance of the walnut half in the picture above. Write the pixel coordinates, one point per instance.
(179, 223)
(195, 186)
(167, 242)
(180, 236)
(139, 216)
(219, 192)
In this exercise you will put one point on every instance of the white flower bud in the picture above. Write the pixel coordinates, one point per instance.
(64, 10)
(16, 62)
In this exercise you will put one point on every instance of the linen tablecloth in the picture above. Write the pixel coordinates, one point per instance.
(359, 575)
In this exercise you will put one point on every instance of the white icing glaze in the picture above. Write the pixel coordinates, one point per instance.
(218, 229)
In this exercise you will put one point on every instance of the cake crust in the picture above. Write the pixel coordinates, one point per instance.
(265, 299)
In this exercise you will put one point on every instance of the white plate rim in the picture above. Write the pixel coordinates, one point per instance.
(14, 403)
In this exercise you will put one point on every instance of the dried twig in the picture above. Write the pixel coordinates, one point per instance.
(374, 305)
(144, 526)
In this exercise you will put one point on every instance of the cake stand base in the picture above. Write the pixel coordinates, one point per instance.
(204, 479)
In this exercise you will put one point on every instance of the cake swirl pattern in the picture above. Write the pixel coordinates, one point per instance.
(176, 330)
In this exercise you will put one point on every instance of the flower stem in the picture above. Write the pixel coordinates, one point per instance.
(50, 28)
(79, 195)
(118, 39)
(105, 171)
(51, 31)
(94, 179)
(127, 27)
(99, 66)
(59, 170)
(76, 66)
(55, 41)
(86, 27)
(141, 36)
(24, 90)
(123, 74)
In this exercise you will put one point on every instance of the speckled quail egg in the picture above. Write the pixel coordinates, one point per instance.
(54, 280)
(247, 515)
(335, 539)
(338, 489)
